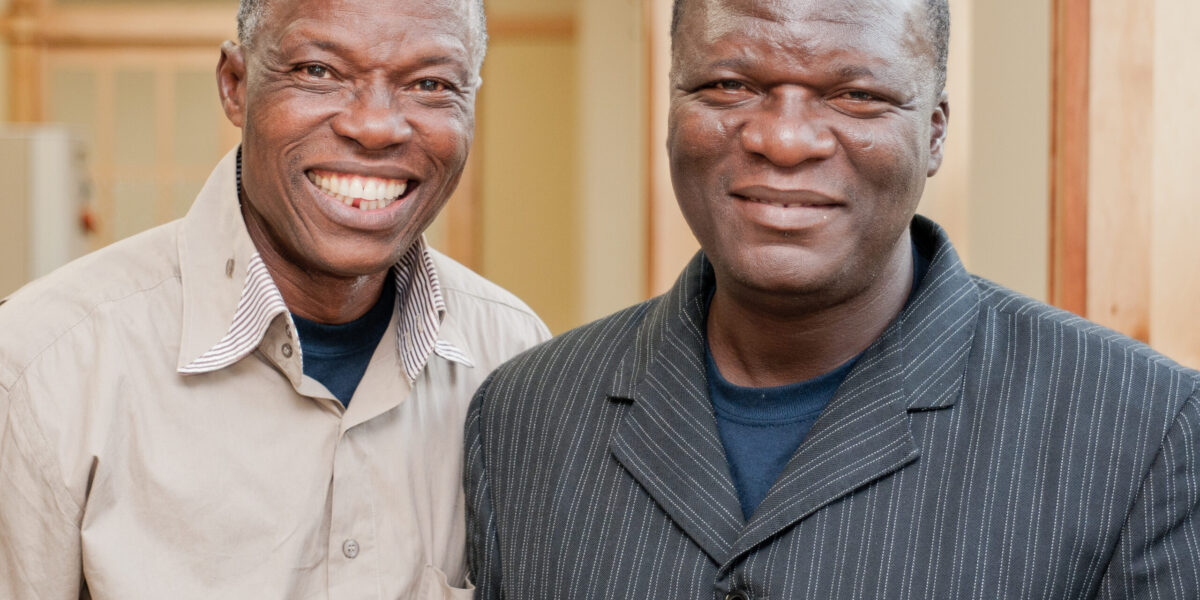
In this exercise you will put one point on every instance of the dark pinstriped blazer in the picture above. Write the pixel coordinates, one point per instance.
(986, 446)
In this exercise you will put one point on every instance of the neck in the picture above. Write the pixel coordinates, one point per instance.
(761, 339)
(310, 293)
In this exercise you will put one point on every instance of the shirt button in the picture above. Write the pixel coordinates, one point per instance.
(350, 548)
(737, 595)
(286, 350)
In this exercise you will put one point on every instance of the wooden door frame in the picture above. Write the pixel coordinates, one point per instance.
(1069, 126)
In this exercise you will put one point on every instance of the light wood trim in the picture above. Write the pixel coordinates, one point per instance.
(103, 163)
(164, 159)
(26, 60)
(174, 26)
(1069, 116)
(150, 25)
(651, 73)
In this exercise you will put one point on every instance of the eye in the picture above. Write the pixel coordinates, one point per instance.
(861, 103)
(316, 71)
(860, 96)
(432, 85)
(728, 85)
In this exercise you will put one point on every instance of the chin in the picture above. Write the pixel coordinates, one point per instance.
(799, 279)
(355, 263)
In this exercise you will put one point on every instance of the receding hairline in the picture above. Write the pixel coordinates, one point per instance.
(937, 18)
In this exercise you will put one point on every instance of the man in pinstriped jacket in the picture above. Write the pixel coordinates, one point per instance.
(827, 405)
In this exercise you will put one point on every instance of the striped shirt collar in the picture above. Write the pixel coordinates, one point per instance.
(214, 226)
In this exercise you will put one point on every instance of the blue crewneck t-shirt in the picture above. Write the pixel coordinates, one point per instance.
(337, 355)
(761, 428)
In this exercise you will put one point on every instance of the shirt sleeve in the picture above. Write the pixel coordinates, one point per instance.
(40, 555)
(1158, 555)
(483, 546)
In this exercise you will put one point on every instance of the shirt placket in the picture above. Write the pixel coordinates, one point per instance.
(353, 541)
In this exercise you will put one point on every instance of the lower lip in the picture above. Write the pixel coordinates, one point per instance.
(795, 217)
(357, 218)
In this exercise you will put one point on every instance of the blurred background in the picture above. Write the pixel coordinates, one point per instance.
(1071, 170)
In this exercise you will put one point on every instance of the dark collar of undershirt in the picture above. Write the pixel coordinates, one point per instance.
(337, 355)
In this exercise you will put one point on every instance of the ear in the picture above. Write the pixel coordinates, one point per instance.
(231, 82)
(939, 121)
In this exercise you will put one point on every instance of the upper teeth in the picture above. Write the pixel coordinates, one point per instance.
(367, 193)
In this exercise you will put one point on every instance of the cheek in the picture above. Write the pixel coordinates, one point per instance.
(698, 136)
(446, 140)
(887, 161)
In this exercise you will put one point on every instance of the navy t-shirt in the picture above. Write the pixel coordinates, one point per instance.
(337, 355)
(761, 428)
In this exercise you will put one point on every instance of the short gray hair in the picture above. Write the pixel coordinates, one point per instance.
(252, 13)
(937, 15)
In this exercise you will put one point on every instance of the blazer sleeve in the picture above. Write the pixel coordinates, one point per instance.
(483, 546)
(1158, 554)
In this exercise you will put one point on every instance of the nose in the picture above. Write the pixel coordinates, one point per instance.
(788, 129)
(374, 119)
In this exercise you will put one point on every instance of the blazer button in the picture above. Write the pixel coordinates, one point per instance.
(737, 595)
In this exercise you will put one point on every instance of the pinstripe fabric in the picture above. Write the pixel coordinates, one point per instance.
(422, 308)
(985, 446)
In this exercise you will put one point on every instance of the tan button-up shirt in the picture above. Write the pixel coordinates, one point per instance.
(158, 438)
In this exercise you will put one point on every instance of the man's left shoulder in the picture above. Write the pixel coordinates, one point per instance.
(1094, 354)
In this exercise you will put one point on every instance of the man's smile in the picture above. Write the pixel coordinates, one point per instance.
(364, 193)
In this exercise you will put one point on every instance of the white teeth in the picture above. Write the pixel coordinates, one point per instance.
(371, 193)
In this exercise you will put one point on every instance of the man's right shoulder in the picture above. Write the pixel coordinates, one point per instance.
(34, 317)
(588, 356)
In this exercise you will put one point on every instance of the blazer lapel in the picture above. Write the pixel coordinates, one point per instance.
(863, 435)
(668, 438)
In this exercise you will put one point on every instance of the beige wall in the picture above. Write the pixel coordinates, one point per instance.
(562, 139)
(611, 156)
(526, 140)
(992, 192)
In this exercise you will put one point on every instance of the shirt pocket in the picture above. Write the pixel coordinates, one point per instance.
(436, 586)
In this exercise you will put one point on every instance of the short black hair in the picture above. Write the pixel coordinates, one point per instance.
(937, 13)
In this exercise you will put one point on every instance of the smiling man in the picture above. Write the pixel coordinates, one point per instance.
(265, 399)
(827, 405)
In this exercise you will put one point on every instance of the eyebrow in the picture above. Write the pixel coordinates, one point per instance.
(843, 72)
(855, 72)
(337, 48)
(734, 64)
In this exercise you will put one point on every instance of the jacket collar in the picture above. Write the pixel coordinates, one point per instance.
(230, 300)
(669, 440)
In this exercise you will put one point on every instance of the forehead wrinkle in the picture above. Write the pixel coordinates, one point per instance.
(901, 21)
(466, 11)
